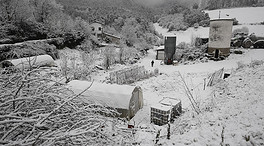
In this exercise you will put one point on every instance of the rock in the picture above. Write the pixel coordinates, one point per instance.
(259, 44)
(238, 52)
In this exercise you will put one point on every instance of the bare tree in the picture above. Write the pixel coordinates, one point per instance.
(35, 110)
(43, 9)
(109, 57)
(190, 96)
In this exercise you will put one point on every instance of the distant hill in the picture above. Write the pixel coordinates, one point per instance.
(218, 4)
(105, 9)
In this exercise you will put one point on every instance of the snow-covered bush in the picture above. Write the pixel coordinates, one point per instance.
(109, 55)
(36, 110)
(241, 65)
(255, 63)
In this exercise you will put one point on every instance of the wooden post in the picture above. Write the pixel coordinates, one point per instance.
(204, 83)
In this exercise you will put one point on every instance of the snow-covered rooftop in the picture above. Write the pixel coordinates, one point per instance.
(34, 61)
(112, 95)
(161, 107)
(170, 101)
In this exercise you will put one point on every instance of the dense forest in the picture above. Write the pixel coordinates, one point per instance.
(132, 20)
(217, 4)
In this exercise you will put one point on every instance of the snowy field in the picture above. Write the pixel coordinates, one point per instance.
(191, 129)
(231, 111)
(245, 16)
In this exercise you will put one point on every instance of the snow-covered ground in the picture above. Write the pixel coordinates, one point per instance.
(232, 111)
(243, 15)
(169, 84)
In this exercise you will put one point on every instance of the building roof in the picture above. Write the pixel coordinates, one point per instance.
(161, 107)
(170, 101)
(160, 48)
(97, 21)
(111, 95)
(112, 35)
(34, 61)
(170, 35)
(222, 19)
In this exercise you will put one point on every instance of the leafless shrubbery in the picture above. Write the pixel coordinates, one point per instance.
(35, 110)
(74, 66)
(112, 55)
(195, 104)
(126, 54)
(255, 63)
(240, 65)
(109, 57)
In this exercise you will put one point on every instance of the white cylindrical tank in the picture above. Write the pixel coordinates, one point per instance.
(220, 37)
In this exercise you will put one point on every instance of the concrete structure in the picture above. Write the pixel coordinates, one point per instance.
(167, 108)
(97, 29)
(169, 49)
(160, 53)
(220, 34)
(127, 100)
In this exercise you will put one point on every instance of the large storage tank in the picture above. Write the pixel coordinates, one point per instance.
(220, 37)
(169, 49)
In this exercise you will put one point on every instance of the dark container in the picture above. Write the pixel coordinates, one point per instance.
(170, 48)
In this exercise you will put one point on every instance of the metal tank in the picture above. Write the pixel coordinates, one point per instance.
(169, 49)
(220, 34)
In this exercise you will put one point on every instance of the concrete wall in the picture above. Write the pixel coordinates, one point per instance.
(97, 29)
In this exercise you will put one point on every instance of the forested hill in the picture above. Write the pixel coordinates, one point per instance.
(217, 4)
(106, 10)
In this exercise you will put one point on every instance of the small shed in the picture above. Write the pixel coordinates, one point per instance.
(167, 107)
(27, 62)
(220, 34)
(127, 100)
(160, 53)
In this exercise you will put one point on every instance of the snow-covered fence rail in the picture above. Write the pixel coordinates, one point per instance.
(130, 75)
(214, 78)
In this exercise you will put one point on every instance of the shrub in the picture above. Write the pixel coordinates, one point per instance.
(235, 22)
(255, 63)
(36, 110)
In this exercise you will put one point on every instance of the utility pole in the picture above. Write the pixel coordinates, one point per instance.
(219, 14)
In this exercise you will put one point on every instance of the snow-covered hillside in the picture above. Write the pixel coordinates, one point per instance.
(245, 16)
(231, 110)
(232, 115)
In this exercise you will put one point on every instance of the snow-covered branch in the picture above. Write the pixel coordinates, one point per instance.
(35, 110)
